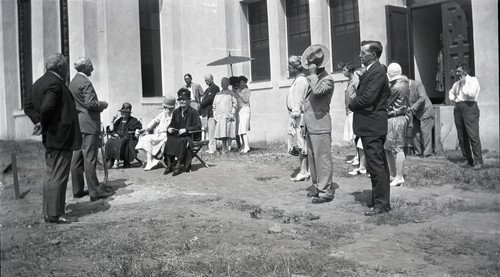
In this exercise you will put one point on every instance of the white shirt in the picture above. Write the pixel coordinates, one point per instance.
(468, 92)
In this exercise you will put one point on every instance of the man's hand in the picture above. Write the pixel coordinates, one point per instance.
(171, 130)
(137, 133)
(37, 130)
(312, 68)
(104, 104)
(182, 131)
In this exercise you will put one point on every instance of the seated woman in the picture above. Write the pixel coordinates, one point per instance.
(121, 145)
(179, 142)
(156, 133)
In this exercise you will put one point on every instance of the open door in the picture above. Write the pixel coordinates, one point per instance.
(399, 39)
(457, 45)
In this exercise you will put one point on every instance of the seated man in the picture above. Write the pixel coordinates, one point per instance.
(179, 142)
(156, 133)
(121, 145)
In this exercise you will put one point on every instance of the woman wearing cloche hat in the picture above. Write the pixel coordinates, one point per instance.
(156, 134)
(121, 145)
(397, 106)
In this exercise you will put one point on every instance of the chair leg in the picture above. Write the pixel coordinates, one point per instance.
(201, 160)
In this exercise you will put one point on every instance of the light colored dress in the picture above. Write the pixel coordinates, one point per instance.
(243, 120)
(153, 143)
(224, 108)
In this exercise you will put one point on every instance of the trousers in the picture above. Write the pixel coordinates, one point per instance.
(320, 163)
(467, 123)
(84, 162)
(377, 166)
(58, 163)
(422, 136)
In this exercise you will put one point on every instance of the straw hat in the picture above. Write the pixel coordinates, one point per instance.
(316, 54)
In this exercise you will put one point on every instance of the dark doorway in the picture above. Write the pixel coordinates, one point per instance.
(442, 37)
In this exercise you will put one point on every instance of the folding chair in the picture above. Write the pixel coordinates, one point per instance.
(198, 143)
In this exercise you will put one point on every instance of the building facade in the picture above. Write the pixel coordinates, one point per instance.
(141, 50)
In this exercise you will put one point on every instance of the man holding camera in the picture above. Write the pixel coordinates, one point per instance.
(464, 93)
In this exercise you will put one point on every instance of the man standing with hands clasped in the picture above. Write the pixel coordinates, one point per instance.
(464, 93)
(89, 115)
(370, 123)
(53, 106)
(317, 124)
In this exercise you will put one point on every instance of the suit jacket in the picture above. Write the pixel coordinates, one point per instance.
(206, 109)
(88, 106)
(53, 104)
(196, 93)
(369, 105)
(317, 118)
(421, 105)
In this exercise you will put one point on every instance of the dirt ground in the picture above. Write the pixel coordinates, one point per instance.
(243, 217)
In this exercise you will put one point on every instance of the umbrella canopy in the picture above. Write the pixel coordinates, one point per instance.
(230, 60)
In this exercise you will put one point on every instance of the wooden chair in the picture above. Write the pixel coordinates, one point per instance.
(198, 143)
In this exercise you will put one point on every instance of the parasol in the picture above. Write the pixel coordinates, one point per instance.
(230, 60)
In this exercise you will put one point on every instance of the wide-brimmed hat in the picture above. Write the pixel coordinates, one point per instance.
(169, 102)
(126, 108)
(316, 54)
(394, 72)
(183, 94)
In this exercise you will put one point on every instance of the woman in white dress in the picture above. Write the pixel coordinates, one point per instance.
(243, 98)
(224, 109)
(156, 134)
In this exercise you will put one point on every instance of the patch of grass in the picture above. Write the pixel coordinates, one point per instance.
(267, 263)
(241, 205)
(439, 246)
(404, 212)
(326, 236)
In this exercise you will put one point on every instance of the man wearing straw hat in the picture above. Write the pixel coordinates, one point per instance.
(317, 124)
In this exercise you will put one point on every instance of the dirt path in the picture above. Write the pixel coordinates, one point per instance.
(435, 230)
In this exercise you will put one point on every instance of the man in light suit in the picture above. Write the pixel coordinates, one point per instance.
(317, 124)
(370, 123)
(51, 104)
(89, 115)
(196, 91)
(207, 113)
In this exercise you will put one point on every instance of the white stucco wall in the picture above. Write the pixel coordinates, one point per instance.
(485, 22)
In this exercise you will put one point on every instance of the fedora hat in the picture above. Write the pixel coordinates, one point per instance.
(169, 102)
(183, 94)
(394, 72)
(316, 54)
(126, 108)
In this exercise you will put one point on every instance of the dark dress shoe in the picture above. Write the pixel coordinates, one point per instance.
(168, 170)
(375, 211)
(58, 219)
(312, 194)
(321, 200)
(126, 165)
(177, 171)
(104, 195)
(81, 194)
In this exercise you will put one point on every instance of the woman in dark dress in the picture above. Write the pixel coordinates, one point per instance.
(179, 143)
(121, 145)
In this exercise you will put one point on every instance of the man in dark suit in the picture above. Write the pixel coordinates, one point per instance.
(206, 112)
(53, 105)
(89, 115)
(370, 123)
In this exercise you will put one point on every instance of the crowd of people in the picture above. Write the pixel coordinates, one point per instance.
(380, 104)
